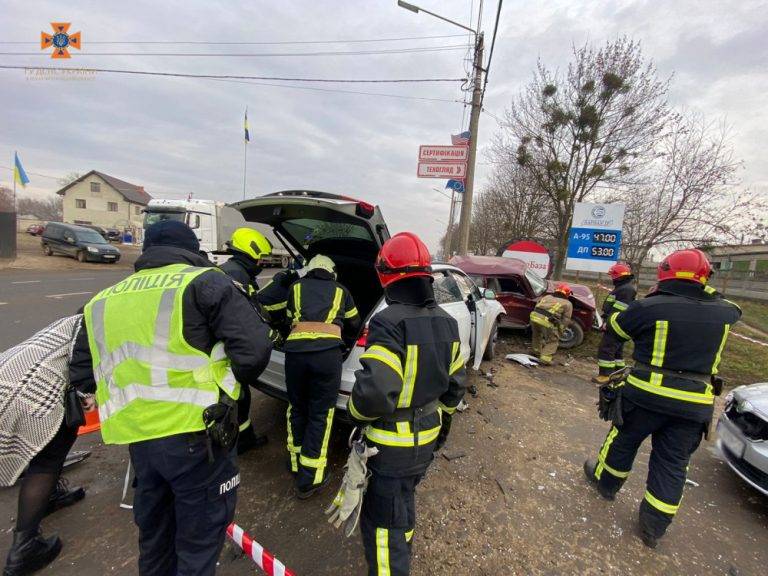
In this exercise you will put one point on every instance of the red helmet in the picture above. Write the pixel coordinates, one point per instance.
(564, 289)
(689, 264)
(403, 256)
(618, 270)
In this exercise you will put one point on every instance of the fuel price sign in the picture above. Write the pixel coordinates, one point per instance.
(594, 240)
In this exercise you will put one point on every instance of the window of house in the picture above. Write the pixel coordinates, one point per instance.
(80, 203)
(137, 210)
(95, 187)
(112, 206)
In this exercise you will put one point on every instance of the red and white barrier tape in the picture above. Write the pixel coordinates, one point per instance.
(748, 339)
(271, 565)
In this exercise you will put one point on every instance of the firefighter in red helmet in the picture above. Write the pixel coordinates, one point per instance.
(610, 352)
(679, 332)
(549, 319)
(412, 379)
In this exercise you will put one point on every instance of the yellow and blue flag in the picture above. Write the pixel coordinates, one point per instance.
(19, 174)
(247, 134)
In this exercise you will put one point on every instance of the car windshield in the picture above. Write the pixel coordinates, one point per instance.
(538, 284)
(155, 217)
(307, 231)
(90, 236)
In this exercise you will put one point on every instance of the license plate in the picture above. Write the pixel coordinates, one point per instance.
(734, 444)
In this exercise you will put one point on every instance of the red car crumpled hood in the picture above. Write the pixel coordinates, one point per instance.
(580, 292)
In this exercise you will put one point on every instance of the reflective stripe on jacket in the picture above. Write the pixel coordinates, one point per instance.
(150, 382)
(552, 312)
(622, 295)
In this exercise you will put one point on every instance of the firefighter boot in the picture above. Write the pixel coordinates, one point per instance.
(30, 552)
(589, 472)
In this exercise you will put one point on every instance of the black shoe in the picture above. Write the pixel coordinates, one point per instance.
(62, 496)
(589, 472)
(304, 494)
(30, 552)
(648, 539)
(248, 440)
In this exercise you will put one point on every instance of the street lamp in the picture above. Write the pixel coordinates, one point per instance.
(465, 220)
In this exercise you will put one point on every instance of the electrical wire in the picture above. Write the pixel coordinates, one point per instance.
(238, 77)
(414, 50)
(33, 173)
(275, 43)
(490, 55)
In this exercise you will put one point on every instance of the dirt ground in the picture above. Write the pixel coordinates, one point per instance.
(30, 257)
(511, 500)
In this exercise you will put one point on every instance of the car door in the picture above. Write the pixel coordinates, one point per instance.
(69, 245)
(513, 295)
(449, 298)
(479, 314)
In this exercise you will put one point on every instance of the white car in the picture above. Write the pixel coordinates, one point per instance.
(351, 232)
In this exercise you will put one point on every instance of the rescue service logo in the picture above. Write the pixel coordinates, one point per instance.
(61, 40)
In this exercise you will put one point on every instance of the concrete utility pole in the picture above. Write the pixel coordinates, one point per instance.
(449, 232)
(465, 220)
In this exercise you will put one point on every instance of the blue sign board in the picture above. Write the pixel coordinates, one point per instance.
(594, 243)
(594, 240)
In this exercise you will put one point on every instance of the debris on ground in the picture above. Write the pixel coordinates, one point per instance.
(525, 359)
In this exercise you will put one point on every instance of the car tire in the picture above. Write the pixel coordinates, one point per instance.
(81, 257)
(490, 349)
(573, 336)
(47, 250)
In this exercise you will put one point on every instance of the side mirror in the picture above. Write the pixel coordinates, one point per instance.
(69, 239)
(489, 294)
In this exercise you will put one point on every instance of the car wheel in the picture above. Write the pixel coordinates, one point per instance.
(81, 256)
(285, 260)
(573, 336)
(490, 349)
(47, 250)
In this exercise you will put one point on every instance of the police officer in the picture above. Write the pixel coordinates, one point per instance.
(412, 372)
(247, 246)
(549, 320)
(610, 352)
(324, 318)
(169, 345)
(273, 300)
(679, 332)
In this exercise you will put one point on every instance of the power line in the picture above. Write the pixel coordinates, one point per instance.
(412, 50)
(33, 173)
(490, 55)
(275, 43)
(236, 77)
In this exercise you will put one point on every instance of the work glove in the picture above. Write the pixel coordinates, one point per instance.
(346, 506)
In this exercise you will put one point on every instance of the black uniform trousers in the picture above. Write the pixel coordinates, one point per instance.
(610, 354)
(673, 441)
(387, 522)
(183, 504)
(313, 380)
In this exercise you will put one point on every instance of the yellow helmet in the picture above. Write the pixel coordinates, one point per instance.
(320, 262)
(250, 242)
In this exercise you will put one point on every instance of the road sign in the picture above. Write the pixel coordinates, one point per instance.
(594, 240)
(442, 170)
(530, 252)
(443, 153)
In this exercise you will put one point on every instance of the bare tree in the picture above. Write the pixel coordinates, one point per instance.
(48, 208)
(590, 127)
(690, 194)
(68, 178)
(6, 199)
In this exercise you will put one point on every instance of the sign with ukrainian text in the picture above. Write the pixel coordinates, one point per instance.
(594, 239)
(442, 170)
(437, 153)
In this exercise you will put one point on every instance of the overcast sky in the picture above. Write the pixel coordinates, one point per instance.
(176, 136)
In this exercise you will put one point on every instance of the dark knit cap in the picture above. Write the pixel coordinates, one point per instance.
(171, 233)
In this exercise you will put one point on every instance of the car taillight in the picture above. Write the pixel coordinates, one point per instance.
(363, 340)
(364, 209)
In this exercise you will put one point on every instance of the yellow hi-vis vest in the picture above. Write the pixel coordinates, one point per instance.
(150, 382)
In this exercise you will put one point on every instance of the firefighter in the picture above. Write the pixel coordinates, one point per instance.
(324, 319)
(679, 332)
(610, 352)
(168, 346)
(549, 320)
(273, 300)
(412, 373)
(247, 246)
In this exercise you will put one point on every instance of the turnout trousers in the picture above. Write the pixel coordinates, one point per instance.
(183, 504)
(610, 354)
(387, 522)
(673, 441)
(313, 380)
(545, 341)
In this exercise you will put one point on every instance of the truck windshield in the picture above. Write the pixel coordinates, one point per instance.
(155, 217)
(538, 284)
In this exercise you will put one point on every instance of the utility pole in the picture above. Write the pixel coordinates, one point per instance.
(465, 220)
(449, 233)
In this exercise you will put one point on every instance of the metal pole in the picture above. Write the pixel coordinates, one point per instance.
(474, 120)
(245, 164)
(449, 233)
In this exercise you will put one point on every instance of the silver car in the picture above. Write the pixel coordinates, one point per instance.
(742, 434)
(351, 232)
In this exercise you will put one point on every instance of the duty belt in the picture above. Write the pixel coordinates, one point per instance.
(322, 327)
(414, 416)
(696, 376)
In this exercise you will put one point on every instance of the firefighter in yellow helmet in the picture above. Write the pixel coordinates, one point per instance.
(549, 320)
(247, 246)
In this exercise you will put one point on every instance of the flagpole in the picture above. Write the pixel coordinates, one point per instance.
(245, 164)
(15, 155)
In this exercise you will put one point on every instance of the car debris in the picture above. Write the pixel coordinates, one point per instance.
(525, 359)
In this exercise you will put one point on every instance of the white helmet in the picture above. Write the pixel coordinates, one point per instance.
(320, 262)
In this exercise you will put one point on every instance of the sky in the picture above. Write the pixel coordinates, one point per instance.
(179, 136)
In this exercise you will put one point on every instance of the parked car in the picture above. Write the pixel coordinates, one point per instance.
(85, 244)
(742, 434)
(518, 289)
(35, 229)
(351, 232)
(114, 235)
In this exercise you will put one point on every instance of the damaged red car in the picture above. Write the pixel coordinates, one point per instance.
(518, 288)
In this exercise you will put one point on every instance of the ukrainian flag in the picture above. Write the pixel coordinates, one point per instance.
(247, 135)
(19, 175)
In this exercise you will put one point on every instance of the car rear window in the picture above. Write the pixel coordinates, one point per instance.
(307, 231)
